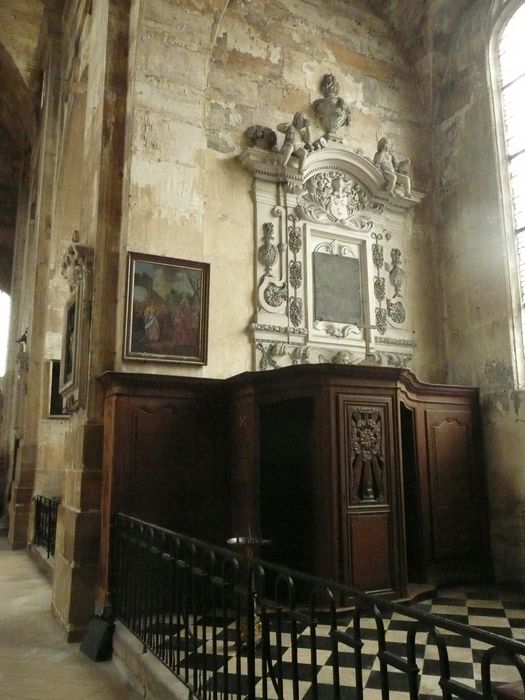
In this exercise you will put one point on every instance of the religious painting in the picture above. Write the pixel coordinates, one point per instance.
(68, 365)
(167, 310)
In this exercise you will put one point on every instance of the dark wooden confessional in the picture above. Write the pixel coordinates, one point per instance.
(359, 474)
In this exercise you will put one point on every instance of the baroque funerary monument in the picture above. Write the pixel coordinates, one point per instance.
(195, 189)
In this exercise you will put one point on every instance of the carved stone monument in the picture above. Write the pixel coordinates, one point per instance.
(323, 230)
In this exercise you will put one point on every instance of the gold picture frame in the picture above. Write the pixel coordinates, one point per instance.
(166, 310)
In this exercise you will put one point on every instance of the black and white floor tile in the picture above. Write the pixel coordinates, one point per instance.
(498, 612)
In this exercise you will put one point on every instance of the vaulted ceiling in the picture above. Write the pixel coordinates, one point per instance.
(421, 25)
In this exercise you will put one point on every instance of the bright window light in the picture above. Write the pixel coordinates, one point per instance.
(512, 77)
(5, 307)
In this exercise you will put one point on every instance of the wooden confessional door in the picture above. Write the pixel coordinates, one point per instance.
(369, 483)
(456, 485)
(445, 514)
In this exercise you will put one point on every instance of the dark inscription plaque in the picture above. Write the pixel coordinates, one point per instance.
(337, 289)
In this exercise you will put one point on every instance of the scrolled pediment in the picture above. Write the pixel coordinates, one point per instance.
(369, 181)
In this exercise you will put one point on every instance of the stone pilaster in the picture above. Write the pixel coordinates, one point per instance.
(78, 528)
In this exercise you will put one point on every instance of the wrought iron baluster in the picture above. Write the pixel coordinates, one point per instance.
(167, 584)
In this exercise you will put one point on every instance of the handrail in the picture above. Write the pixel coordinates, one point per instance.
(222, 621)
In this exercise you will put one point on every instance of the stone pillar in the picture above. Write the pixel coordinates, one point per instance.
(77, 553)
(78, 528)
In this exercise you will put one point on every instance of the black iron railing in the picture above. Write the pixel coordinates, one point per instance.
(46, 523)
(234, 627)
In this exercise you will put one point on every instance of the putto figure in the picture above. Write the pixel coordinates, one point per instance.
(394, 171)
(297, 139)
(331, 110)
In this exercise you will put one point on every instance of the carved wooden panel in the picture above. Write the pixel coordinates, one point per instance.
(370, 551)
(165, 455)
(157, 463)
(366, 458)
(207, 457)
(369, 474)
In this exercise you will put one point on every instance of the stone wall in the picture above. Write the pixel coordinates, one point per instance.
(138, 151)
(482, 347)
(200, 78)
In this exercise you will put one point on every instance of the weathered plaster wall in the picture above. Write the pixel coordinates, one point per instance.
(198, 84)
(474, 269)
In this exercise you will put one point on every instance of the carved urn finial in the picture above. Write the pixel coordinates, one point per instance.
(331, 110)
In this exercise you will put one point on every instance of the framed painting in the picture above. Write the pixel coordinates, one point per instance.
(68, 364)
(166, 310)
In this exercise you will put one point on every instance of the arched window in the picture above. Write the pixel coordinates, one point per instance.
(5, 305)
(507, 68)
(511, 55)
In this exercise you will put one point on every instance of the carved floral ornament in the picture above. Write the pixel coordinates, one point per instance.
(367, 458)
(76, 263)
(333, 196)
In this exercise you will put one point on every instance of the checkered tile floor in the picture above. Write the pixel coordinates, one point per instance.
(500, 613)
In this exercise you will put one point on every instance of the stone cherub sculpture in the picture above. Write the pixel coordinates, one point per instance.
(331, 110)
(394, 171)
(297, 139)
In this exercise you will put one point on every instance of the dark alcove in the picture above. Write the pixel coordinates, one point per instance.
(286, 496)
